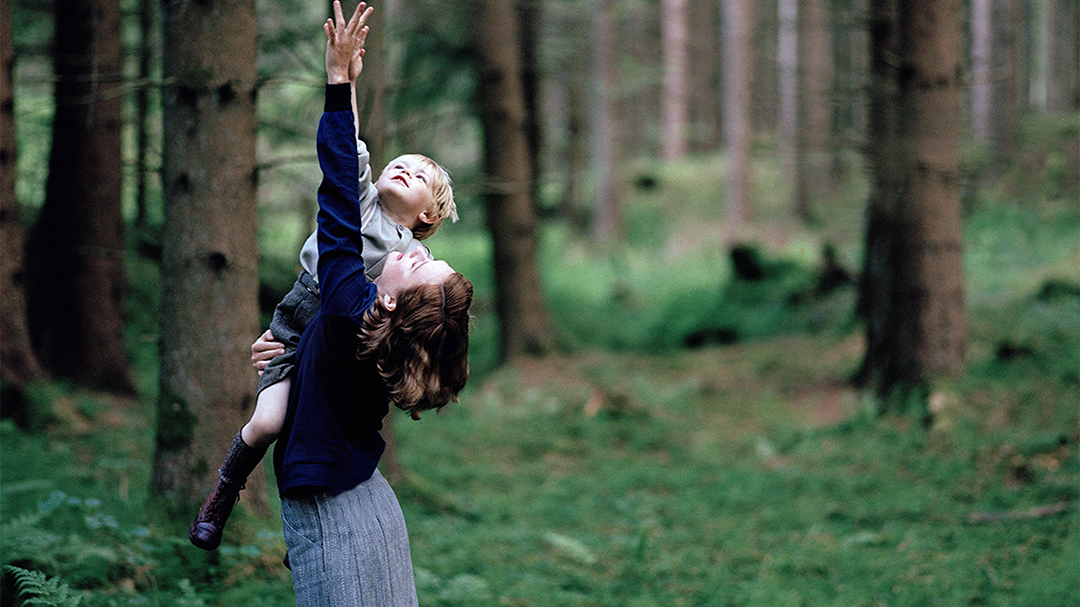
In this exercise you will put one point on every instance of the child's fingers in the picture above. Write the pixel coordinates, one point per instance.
(365, 14)
(359, 17)
(339, 16)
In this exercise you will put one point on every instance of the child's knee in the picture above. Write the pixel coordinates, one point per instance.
(260, 433)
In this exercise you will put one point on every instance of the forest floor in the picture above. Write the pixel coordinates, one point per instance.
(735, 475)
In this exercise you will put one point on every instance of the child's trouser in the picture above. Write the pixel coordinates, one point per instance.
(291, 317)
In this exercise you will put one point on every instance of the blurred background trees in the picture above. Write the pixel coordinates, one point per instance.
(18, 362)
(551, 115)
(75, 254)
(509, 159)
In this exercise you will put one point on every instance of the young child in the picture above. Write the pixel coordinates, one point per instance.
(408, 203)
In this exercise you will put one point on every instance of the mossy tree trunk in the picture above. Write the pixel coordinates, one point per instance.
(210, 253)
(912, 294)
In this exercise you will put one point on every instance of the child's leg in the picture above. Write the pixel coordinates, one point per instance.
(249, 446)
(269, 415)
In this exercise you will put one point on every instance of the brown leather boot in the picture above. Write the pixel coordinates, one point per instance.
(209, 524)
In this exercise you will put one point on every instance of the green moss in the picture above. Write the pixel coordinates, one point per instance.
(176, 423)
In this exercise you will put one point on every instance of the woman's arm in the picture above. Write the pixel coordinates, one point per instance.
(344, 289)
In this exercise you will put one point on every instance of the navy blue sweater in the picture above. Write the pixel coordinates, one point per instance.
(330, 440)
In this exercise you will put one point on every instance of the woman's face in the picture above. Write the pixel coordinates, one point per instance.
(402, 271)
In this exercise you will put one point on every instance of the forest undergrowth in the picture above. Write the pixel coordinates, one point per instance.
(696, 442)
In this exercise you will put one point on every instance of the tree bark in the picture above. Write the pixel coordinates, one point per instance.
(912, 292)
(511, 215)
(705, 122)
(210, 252)
(1063, 69)
(147, 10)
(994, 77)
(675, 102)
(607, 217)
(575, 157)
(792, 148)
(738, 125)
(528, 17)
(817, 103)
(18, 363)
(982, 68)
(75, 292)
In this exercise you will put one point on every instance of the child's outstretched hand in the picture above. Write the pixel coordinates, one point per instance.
(345, 43)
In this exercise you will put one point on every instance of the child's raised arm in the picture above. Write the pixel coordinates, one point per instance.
(340, 37)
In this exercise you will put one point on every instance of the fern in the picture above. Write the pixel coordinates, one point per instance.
(42, 590)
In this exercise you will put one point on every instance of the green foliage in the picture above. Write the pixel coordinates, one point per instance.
(30, 408)
(635, 300)
(42, 590)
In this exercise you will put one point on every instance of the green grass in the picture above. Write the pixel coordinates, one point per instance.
(628, 470)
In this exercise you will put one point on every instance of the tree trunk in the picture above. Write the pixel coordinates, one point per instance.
(147, 9)
(635, 27)
(792, 148)
(912, 292)
(993, 87)
(982, 68)
(851, 70)
(674, 103)
(738, 125)
(75, 293)
(705, 122)
(511, 215)
(528, 19)
(817, 103)
(1062, 67)
(1004, 97)
(607, 218)
(575, 158)
(209, 247)
(18, 363)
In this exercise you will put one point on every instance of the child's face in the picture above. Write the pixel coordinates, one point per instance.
(405, 192)
(402, 271)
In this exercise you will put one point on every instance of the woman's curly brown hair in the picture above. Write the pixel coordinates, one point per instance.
(421, 349)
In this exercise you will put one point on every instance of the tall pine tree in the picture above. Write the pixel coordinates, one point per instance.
(209, 312)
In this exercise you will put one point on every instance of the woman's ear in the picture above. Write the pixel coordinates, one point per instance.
(388, 301)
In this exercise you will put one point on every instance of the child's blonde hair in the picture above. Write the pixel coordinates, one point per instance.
(442, 194)
(421, 348)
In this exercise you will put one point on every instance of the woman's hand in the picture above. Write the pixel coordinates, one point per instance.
(264, 349)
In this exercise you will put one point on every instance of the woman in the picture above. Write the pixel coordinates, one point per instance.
(401, 338)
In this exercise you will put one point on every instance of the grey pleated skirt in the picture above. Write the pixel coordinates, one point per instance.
(350, 549)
